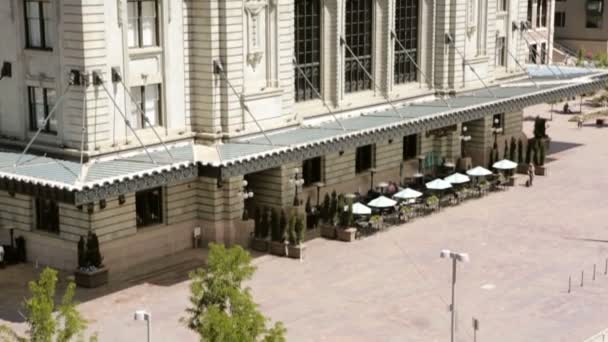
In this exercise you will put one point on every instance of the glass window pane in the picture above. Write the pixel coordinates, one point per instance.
(133, 33)
(49, 33)
(148, 9)
(32, 9)
(34, 34)
(152, 105)
(148, 35)
(51, 98)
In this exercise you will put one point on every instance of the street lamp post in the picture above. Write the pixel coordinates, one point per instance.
(461, 257)
(143, 315)
(297, 182)
(463, 138)
(245, 195)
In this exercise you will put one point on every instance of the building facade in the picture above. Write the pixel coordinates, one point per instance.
(582, 25)
(140, 120)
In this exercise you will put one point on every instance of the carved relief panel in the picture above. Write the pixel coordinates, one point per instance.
(260, 45)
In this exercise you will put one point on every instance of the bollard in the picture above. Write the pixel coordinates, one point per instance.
(569, 284)
(593, 272)
(582, 277)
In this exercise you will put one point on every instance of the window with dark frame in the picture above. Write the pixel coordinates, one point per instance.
(560, 19)
(498, 120)
(406, 30)
(307, 49)
(40, 102)
(595, 13)
(529, 13)
(47, 215)
(39, 26)
(312, 171)
(502, 5)
(358, 28)
(148, 98)
(501, 51)
(149, 207)
(410, 146)
(543, 53)
(532, 54)
(143, 23)
(364, 159)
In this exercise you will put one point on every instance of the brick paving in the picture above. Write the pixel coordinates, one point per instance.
(523, 244)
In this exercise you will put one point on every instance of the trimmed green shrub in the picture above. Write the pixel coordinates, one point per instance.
(529, 152)
(283, 224)
(82, 258)
(265, 223)
(541, 154)
(257, 220)
(520, 151)
(505, 154)
(326, 208)
(513, 150)
(299, 229)
(291, 228)
(275, 224)
(93, 254)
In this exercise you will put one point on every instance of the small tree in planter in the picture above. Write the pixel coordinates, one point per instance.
(260, 232)
(529, 152)
(296, 245)
(277, 246)
(505, 154)
(491, 159)
(496, 155)
(520, 151)
(535, 153)
(327, 228)
(334, 206)
(93, 274)
(348, 232)
(513, 150)
(339, 213)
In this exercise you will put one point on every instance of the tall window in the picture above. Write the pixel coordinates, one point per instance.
(543, 53)
(406, 29)
(595, 13)
(148, 99)
(143, 23)
(532, 54)
(41, 102)
(501, 51)
(529, 16)
(47, 215)
(502, 5)
(39, 26)
(149, 207)
(311, 171)
(307, 49)
(410, 146)
(364, 158)
(543, 12)
(359, 16)
(560, 19)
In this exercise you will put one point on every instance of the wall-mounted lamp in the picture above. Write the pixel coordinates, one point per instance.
(102, 204)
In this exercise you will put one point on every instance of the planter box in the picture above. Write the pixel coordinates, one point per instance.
(296, 252)
(540, 170)
(347, 234)
(522, 169)
(328, 231)
(91, 280)
(277, 248)
(260, 245)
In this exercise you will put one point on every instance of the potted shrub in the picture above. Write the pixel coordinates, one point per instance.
(432, 203)
(296, 237)
(406, 213)
(91, 272)
(347, 232)
(327, 228)
(513, 150)
(277, 243)
(259, 241)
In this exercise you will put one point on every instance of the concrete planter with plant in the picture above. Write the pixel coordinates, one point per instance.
(91, 272)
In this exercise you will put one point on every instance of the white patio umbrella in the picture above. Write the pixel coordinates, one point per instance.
(407, 194)
(438, 184)
(382, 202)
(457, 178)
(359, 209)
(479, 171)
(504, 164)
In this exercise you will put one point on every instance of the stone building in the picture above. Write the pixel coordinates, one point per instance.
(140, 119)
(582, 24)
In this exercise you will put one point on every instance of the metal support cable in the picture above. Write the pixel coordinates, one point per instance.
(536, 55)
(44, 123)
(547, 53)
(464, 60)
(522, 68)
(220, 69)
(127, 122)
(343, 41)
(429, 80)
(146, 119)
(295, 62)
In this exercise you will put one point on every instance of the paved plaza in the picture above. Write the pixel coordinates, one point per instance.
(524, 243)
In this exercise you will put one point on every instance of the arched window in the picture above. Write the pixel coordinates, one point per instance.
(307, 49)
(358, 27)
(406, 30)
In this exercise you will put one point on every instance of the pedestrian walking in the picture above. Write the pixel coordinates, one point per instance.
(531, 174)
(580, 121)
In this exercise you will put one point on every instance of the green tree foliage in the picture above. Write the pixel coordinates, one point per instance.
(221, 309)
(529, 152)
(505, 154)
(265, 223)
(300, 231)
(349, 214)
(541, 154)
(257, 220)
(93, 254)
(339, 215)
(513, 150)
(520, 151)
(291, 230)
(326, 208)
(283, 224)
(82, 260)
(48, 322)
(334, 205)
(275, 224)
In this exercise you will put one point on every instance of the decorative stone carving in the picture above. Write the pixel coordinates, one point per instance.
(255, 51)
